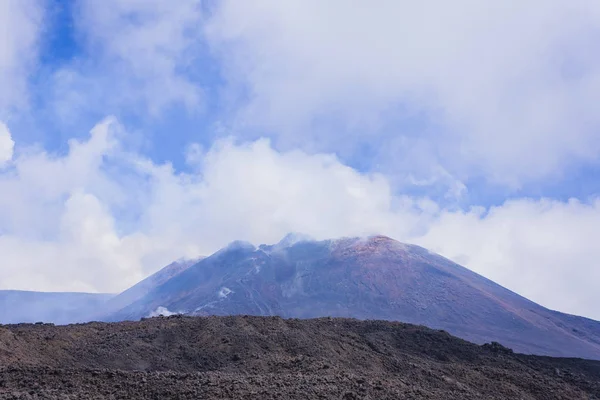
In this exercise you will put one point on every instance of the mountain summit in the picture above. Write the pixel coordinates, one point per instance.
(367, 278)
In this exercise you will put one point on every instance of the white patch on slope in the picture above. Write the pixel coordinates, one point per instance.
(224, 292)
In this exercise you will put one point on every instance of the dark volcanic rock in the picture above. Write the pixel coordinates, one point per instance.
(272, 358)
(373, 278)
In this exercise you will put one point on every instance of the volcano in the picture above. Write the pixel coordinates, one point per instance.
(366, 278)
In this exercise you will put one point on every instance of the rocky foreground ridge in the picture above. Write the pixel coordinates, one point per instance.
(274, 358)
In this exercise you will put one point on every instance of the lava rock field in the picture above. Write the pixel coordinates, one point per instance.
(273, 358)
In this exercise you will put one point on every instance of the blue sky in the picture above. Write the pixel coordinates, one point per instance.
(137, 132)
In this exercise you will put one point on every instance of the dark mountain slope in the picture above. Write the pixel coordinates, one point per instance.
(374, 278)
(144, 287)
(271, 358)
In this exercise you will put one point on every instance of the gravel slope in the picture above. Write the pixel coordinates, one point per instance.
(270, 357)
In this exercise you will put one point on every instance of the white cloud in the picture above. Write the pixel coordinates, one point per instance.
(507, 87)
(6, 145)
(545, 250)
(101, 218)
(139, 53)
(20, 22)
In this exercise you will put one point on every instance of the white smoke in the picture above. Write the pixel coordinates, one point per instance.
(162, 311)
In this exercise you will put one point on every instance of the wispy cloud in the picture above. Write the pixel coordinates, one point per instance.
(6, 145)
(137, 57)
(21, 22)
(500, 90)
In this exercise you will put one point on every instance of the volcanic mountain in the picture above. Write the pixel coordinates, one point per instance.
(366, 278)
